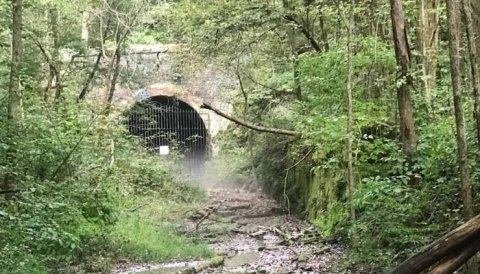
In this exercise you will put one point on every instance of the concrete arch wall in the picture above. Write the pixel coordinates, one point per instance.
(213, 122)
(172, 90)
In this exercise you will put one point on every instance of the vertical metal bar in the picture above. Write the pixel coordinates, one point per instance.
(158, 129)
(144, 124)
(171, 123)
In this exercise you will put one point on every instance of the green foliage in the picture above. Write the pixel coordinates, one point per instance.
(143, 241)
(81, 179)
(389, 226)
(73, 186)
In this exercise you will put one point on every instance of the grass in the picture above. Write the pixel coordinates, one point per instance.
(140, 240)
(144, 231)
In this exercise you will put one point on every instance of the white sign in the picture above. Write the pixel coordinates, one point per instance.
(164, 150)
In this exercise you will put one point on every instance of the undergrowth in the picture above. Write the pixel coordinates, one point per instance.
(83, 184)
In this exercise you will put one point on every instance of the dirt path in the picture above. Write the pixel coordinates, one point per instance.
(255, 235)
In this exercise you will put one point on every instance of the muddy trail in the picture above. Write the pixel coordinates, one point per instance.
(251, 234)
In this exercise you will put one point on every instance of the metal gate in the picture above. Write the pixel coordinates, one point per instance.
(175, 131)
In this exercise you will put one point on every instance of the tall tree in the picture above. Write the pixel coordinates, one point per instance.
(402, 53)
(454, 34)
(54, 67)
(428, 45)
(472, 49)
(14, 91)
(350, 110)
(85, 30)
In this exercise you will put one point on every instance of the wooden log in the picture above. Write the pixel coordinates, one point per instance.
(453, 262)
(450, 243)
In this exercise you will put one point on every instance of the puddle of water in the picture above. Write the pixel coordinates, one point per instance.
(165, 270)
(242, 259)
(159, 268)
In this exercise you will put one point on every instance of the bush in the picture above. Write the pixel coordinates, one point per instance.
(76, 174)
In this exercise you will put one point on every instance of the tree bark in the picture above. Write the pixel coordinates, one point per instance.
(53, 14)
(250, 133)
(248, 125)
(350, 111)
(85, 32)
(307, 33)
(453, 262)
(324, 31)
(116, 72)
(472, 49)
(14, 92)
(453, 15)
(454, 33)
(448, 244)
(88, 81)
(428, 46)
(402, 52)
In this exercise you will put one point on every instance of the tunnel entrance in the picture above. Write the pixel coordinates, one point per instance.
(170, 126)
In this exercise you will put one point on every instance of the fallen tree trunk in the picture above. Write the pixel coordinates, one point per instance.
(248, 125)
(452, 262)
(453, 243)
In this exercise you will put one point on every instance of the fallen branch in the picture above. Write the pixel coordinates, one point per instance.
(286, 238)
(248, 125)
(138, 207)
(214, 262)
(453, 243)
(213, 210)
(237, 207)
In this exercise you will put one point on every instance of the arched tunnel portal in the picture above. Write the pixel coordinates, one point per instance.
(168, 125)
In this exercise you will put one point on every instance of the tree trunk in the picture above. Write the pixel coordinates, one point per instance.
(454, 33)
(14, 92)
(453, 15)
(453, 242)
(250, 133)
(476, 22)
(428, 46)
(324, 32)
(297, 87)
(472, 49)
(402, 52)
(350, 111)
(88, 81)
(453, 262)
(53, 14)
(116, 72)
(85, 32)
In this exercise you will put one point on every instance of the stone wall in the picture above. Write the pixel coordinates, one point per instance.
(164, 70)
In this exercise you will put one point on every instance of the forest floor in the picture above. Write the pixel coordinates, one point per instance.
(252, 234)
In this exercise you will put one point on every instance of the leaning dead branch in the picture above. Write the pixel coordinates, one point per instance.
(205, 217)
(248, 125)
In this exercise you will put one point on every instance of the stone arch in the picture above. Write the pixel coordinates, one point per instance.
(166, 117)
